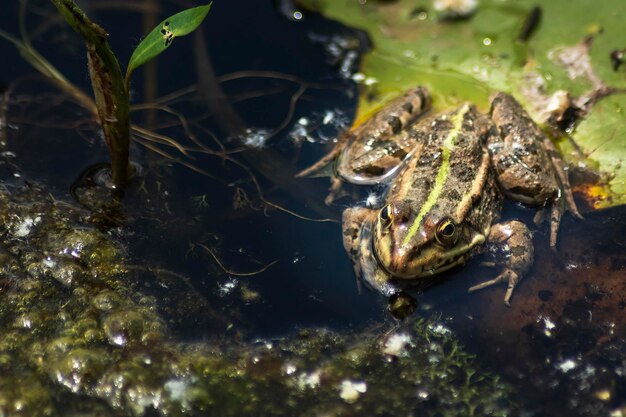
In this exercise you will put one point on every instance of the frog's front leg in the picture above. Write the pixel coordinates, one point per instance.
(512, 248)
(357, 224)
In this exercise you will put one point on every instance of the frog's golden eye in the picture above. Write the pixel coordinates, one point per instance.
(385, 216)
(446, 232)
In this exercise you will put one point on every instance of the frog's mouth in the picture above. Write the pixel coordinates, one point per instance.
(369, 269)
(428, 261)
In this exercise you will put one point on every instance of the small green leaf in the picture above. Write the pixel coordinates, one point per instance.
(164, 33)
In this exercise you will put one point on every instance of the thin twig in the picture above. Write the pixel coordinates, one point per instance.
(230, 272)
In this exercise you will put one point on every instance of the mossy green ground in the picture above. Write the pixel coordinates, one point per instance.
(468, 59)
(80, 334)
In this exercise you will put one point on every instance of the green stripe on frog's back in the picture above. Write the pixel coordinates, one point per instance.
(442, 172)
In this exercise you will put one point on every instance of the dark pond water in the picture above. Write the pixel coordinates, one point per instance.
(191, 235)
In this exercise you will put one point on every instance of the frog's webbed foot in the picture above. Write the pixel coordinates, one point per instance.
(556, 213)
(507, 275)
(512, 249)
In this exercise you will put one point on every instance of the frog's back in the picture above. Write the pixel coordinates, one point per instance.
(450, 175)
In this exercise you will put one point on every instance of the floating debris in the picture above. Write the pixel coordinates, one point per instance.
(320, 127)
(397, 344)
(255, 138)
(24, 228)
(530, 24)
(567, 365)
(455, 9)
(617, 58)
(343, 51)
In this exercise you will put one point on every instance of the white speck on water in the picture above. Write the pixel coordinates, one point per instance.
(24, 228)
(433, 359)
(226, 288)
(439, 329)
(567, 365)
(256, 138)
(423, 394)
(178, 389)
(309, 380)
(455, 7)
(397, 344)
(350, 391)
(289, 369)
(548, 325)
(370, 81)
(303, 121)
(372, 200)
(358, 77)
(328, 117)
(25, 322)
(48, 263)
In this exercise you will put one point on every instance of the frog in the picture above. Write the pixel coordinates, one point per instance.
(447, 176)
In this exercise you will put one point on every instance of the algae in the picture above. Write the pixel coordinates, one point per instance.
(78, 337)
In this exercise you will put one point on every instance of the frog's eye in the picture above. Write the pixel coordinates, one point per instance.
(385, 216)
(446, 232)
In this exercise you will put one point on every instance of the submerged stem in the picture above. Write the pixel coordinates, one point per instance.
(109, 89)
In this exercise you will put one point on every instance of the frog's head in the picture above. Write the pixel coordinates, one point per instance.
(411, 244)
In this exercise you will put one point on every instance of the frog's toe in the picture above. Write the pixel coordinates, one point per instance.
(507, 275)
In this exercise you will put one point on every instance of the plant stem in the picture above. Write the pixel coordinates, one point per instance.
(109, 89)
(42, 65)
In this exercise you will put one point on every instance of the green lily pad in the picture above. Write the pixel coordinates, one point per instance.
(467, 59)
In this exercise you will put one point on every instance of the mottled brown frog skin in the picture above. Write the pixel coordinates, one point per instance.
(445, 199)
(373, 152)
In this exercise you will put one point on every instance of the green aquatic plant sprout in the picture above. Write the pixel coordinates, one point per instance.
(163, 34)
(111, 89)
